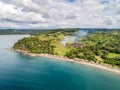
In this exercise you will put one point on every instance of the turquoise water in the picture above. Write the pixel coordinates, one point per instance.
(19, 72)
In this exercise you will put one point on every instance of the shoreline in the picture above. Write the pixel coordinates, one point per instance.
(79, 61)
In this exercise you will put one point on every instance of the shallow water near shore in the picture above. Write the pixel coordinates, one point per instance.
(20, 72)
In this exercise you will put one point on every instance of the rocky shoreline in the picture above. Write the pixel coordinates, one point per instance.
(80, 61)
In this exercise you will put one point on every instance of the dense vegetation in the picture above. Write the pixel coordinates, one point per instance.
(99, 47)
(33, 31)
(46, 31)
(44, 43)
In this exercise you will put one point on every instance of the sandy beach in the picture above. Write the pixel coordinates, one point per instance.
(80, 61)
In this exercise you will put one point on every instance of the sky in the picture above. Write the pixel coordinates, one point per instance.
(59, 14)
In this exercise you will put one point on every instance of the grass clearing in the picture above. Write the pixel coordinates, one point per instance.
(113, 55)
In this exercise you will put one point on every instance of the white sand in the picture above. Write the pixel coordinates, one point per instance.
(81, 61)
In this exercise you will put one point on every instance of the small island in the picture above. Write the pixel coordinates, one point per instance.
(99, 48)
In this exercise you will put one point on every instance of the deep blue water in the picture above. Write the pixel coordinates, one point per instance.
(19, 72)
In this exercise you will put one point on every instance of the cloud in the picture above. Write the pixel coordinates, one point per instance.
(59, 13)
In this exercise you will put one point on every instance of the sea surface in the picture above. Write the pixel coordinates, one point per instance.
(20, 72)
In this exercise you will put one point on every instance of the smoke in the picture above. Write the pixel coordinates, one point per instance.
(75, 37)
(81, 33)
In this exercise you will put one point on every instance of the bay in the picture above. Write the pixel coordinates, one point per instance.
(20, 72)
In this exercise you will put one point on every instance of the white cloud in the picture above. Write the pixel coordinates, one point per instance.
(59, 13)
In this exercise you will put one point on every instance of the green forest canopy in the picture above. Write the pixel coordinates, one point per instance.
(99, 47)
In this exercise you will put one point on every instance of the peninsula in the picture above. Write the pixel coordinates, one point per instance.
(99, 49)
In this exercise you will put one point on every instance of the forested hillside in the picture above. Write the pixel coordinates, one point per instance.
(99, 47)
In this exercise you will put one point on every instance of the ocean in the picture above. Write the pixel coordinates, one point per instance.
(20, 72)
